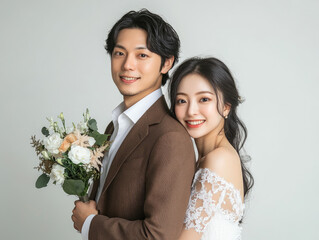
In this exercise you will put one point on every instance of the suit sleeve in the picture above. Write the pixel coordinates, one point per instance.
(169, 175)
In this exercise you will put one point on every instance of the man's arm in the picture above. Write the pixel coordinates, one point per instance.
(168, 182)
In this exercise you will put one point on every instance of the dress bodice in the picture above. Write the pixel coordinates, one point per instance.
(215, 207)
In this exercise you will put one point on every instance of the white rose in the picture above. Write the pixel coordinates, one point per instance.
(91, 141)
(79, 154)
(52, 143)
(82, 127)
(57, 173)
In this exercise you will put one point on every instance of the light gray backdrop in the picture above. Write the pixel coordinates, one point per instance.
(52, 59)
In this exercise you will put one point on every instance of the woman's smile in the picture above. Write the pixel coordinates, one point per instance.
(194, 123)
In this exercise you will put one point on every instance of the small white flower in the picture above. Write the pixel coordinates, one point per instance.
(69, 130)
(51, 128)
(55, 125)
(59, 160)
(79, 154)
(61, 116)
(82, 127)
(91, 141)
(86, 115)
(50, 119)
(45, 155)
(57, 173)
(52, 143)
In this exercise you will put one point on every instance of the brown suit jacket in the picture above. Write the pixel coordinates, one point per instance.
(146, 192)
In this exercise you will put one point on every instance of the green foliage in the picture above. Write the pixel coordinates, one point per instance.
(92, 124)
(77, 172)
(42, 181)
(99, 138)
(37, 145)
(73, 171)
(73, 187)
(45, 131)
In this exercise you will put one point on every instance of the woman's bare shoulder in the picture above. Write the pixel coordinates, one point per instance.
(224, 162)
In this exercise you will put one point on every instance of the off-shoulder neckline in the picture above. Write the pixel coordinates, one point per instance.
(227, 183)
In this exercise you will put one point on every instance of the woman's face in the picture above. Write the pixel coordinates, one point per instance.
(196, 106)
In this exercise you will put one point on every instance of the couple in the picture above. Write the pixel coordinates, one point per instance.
(147, 188)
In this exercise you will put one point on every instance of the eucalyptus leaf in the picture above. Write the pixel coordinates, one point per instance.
(73, 187)
(99, 138)
(42, 181)
(45, 131)
(94, 134)
(92, 124)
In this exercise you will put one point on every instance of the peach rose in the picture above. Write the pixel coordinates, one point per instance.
(68, 140)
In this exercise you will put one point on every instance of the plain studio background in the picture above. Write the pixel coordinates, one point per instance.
(52, 60)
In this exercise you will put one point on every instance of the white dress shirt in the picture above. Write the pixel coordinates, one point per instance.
(123, 122)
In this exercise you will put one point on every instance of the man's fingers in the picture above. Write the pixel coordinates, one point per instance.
(75, 227)
(74, 224)
(93, 203)
(73, 219)
(76, 202)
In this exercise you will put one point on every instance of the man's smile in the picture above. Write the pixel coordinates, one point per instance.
(129, 79)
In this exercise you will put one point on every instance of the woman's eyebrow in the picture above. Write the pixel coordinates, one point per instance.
(198, 93)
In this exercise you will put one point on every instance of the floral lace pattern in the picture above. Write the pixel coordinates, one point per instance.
(212, 194)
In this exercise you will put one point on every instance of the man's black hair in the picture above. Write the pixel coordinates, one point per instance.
(161, 37)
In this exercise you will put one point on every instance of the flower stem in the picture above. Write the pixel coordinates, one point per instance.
(84, 198)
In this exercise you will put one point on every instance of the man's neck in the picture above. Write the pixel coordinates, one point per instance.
(129, 101)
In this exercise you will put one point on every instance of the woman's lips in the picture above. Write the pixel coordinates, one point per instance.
(194, 123)
(128, 80)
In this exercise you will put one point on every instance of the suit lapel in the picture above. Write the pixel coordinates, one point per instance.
(139, 131)
(132, 140)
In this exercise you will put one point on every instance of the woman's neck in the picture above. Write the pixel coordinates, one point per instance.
(210, 141)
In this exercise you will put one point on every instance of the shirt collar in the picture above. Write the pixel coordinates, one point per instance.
(135, 112)
(117, 112)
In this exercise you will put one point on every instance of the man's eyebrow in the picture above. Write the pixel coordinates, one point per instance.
(119, 46)
(141, 47)
(122, 47)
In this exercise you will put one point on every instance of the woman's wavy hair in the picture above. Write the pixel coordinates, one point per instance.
(219, 76)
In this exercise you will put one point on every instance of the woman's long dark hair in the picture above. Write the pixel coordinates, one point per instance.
(219, 76)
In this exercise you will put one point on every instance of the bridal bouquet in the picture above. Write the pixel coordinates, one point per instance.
(70, 156)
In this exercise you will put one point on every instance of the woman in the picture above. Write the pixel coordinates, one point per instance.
(204, 98)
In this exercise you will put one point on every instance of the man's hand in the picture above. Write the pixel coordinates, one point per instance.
(81, 211)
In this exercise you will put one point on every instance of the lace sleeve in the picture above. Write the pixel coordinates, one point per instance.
(211, 194)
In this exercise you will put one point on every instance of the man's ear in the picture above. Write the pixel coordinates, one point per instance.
(167, 65)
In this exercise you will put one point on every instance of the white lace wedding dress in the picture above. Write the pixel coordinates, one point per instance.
(215, 207)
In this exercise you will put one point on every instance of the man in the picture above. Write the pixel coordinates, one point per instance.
(146, 175)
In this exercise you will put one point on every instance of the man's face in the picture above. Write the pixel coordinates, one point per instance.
(136, 71)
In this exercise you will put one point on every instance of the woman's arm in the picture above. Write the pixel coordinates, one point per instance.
(211, 193)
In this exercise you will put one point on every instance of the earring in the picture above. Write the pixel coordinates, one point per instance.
(226, 116)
